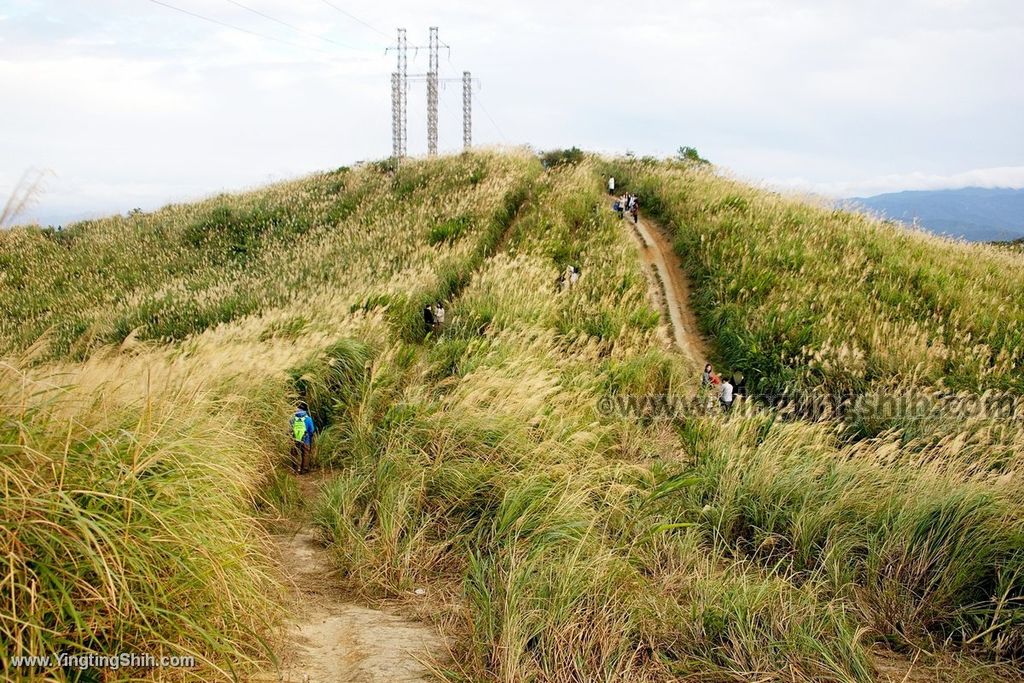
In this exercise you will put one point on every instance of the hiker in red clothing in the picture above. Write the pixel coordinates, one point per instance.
(709, 386)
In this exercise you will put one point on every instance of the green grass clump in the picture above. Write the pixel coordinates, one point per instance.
(107, 546)
(449, 230)
(935, 556)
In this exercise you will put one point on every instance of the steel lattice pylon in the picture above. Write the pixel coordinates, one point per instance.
(432, 94)
(467, 110)
(403, 73)
(396, 115)
(400, 96)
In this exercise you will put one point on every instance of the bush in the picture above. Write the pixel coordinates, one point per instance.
(561, 157)
(690, 155)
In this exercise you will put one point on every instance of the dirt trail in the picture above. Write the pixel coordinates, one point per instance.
(657, 253)
(658, 256)
(332, 641)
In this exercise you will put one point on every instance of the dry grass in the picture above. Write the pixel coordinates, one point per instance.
(566, 543)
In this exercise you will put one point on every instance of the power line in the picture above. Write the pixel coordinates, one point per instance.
(356, 19)
(483, 107)
(447, 109)
(236, 28)
(490, 118)
(291, 26)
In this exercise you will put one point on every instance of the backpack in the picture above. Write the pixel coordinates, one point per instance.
(299, 427)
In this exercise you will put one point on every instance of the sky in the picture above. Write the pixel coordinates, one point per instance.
(132, 103)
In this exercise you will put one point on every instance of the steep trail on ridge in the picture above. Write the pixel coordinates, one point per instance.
(671, 283)
(657, 254)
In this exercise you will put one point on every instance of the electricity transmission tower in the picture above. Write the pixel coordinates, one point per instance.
(432, 94)
(400, 96)
(467, 110)
(396, 115)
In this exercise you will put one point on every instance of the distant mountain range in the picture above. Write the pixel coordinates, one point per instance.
(976, 214)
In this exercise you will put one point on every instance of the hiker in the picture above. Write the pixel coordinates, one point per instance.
(725, 396)
(706, 387)
(634, 210)
(574, 275)
(439, 316)
(302, 437)
(428, 318)
(611, 184)
(617, 207)
(567, 277)
(712, 386)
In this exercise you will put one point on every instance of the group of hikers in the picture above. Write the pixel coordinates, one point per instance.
(712, 384)
(302, 426)
(433, 317)
(628, 202)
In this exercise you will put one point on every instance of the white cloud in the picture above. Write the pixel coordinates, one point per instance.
(131, 103)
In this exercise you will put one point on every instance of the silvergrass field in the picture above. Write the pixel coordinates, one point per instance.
(149, 364)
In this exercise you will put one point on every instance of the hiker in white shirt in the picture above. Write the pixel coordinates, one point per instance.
(566, 279)
(439, 316)
(725, 396)
(611, 184)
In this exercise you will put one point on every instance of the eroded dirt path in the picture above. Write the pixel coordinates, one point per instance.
(658, 255)
(329, 640)
(673, 290)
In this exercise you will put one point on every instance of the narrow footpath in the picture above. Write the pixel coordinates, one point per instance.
(329, 640)
(665, 266)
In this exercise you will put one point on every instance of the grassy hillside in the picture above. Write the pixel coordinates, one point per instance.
(187, 268)
(811, 302)
(150, 362)
(899, 331)
(802, 296)
(133, 481)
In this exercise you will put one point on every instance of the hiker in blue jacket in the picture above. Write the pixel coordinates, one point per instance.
(303, 430)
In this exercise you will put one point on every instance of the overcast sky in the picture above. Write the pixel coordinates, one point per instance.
(130, 103)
